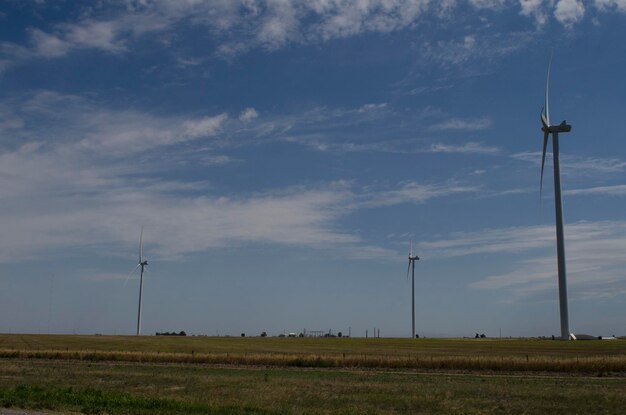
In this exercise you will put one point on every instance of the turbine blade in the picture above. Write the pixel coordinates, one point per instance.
(141, 245)
(544, 121)
(131, 273)
(411, 248)
(547, 111)
(543, 160)
(408, 270)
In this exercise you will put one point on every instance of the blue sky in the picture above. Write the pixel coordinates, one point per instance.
(282, 155)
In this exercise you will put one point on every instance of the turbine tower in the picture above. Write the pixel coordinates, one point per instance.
(548, 129)
(143, 262)
(412, 259)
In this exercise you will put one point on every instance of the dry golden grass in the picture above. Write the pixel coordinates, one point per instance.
(518, 355)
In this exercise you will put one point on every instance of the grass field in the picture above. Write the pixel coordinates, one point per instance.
(153, 375)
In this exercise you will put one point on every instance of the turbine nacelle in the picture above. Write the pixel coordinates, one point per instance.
(564, 127)
(548, 129)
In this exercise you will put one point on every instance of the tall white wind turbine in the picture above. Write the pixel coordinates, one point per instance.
(548, 129)
(411, 269)
(143, 262)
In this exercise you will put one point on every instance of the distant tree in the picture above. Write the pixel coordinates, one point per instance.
(339, 334)
(482, 336)
(264, 334)
(417, 336)
(477, 336)
(301, 335)
(243, 334)
(182, 333)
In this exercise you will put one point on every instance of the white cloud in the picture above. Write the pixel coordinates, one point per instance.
(372, 107)
(204, 127)
(569, 12)
(338, 19)
(534, 8)
(83, 173)
(469, 42)
(48, 45)
(475, 124)
(94, 34)
(576, 164)
(80, 124)
(105, 35)
(427, 89)
(490, 241)
(237, 26)
(248, 114)
(467, 148)
(616, 190)
(280, 26)
(322, 129)
(59, 200)
(59, 196)
(487, 4)
(412, 193)
(604, 5)
(595, 262)
(184, 224)
(594, 251)
(474, 47)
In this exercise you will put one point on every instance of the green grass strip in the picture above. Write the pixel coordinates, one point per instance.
(91, 401)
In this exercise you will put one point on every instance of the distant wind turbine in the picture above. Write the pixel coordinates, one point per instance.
(411, 269)
(558, 204)
(143, 262)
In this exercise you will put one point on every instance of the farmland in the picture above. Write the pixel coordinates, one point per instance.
(117, 374)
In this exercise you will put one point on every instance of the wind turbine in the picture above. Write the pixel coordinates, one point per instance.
(412, 259)
(548, 129)
(143, 262)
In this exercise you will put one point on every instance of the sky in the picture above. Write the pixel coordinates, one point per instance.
(282, 155)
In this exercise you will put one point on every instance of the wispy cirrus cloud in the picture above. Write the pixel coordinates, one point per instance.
(98, 205)
(458, 124)
(474, 47)
(75, 173)
(413, 192)
(572, 164)
(594, 252)
(323, 129)
(615, 190)
(489, 241)
(427, 89)
(80, 124)
(467, 148)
